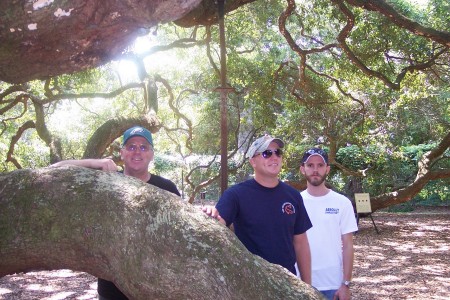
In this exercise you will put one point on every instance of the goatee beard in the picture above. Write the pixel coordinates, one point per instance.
(316, 182)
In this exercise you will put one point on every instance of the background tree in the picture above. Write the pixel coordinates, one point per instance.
(341, 74)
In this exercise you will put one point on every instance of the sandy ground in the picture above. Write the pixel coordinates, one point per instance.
(409, 259)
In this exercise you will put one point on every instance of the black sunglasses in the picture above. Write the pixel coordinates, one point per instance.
(268, 153)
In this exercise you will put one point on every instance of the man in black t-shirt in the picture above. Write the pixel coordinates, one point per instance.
(137, 153)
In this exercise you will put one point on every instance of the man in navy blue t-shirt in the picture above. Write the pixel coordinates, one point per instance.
(268, 216)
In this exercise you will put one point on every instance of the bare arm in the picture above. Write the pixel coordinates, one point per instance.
(104, 164)
(303, 255)
(347, 256)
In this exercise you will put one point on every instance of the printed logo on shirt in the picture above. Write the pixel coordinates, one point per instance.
(333, 211)
(288, 208)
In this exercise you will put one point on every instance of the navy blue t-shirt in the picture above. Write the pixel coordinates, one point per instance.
(266, 219)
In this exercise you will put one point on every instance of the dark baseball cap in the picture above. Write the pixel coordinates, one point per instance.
(315, 151)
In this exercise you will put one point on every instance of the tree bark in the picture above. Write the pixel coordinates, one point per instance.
(42, 39)
(147, 241)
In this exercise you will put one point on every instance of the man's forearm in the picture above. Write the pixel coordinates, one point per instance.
(104, 164)
(303, 256)
(347, 256)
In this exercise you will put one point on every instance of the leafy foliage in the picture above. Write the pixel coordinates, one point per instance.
(374, 94)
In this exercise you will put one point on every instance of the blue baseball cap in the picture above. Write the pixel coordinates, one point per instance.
(137, 131)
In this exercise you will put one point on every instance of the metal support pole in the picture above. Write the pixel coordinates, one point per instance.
(223, 101)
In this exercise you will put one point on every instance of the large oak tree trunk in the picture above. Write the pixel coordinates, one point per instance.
(146, 240)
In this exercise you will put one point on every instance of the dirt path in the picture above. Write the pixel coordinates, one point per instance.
(409, 259)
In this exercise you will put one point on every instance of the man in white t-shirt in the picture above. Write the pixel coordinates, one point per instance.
(331, 237)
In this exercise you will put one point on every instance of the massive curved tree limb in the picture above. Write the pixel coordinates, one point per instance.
(46, 38)
(56, 37)
(152, 245)
(425, 174)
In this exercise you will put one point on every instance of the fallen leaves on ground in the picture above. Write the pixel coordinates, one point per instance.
(409, 259)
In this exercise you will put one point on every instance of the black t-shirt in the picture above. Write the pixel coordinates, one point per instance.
(106, 288)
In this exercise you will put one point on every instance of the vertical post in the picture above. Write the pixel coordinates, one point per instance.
(202, 198)
(223, 101)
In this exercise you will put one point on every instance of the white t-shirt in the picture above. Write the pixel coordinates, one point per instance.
(332, 216)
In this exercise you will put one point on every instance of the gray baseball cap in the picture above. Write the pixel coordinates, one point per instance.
(261, 144)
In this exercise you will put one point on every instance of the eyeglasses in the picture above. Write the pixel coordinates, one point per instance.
(133, 147)
(268, 153)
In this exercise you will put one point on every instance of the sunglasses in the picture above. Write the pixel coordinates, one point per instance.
(133, 147)
(268, 153)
